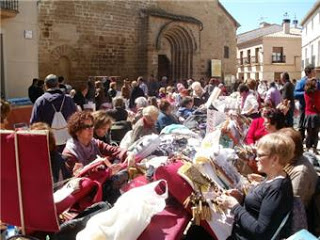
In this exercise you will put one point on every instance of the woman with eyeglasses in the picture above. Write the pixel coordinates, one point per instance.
(81, 149)
(259, 214)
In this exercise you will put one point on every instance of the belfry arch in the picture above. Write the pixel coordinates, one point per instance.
(182, 46)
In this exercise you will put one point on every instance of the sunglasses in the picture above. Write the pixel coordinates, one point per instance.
(87, 126)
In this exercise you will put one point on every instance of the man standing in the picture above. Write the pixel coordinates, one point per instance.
(299, 95)
(52, 101)
(287, 94)
(142, 85)
(32, 90)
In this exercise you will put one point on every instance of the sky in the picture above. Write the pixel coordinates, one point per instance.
(249, 13)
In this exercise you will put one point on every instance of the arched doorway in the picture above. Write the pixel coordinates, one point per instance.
(182, 47)
(163, 66)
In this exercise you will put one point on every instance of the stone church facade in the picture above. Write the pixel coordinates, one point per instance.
(177, 39)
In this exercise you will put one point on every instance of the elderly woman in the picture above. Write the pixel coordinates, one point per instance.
(259, 214)
(301, 172)
(199, 95)
(146, 125)
(141, 103)
(82, 148)
(102, 124)
(119, 112)
(271, 121)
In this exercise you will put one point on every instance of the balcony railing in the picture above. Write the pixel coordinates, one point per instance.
(240, 61)
(278, 59)
(9, 5)
(9, 8)
(255, 60)
(247, 60)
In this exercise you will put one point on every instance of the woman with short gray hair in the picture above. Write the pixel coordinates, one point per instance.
(146, 125)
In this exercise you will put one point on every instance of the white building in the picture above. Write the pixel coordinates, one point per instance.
(266, 52)
(311, 38)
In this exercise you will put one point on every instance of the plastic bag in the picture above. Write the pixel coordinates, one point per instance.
(129, 217)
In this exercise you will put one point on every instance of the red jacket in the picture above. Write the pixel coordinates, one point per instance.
(256, 131)
(312, 103)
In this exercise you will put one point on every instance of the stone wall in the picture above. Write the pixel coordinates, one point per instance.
(110, 38)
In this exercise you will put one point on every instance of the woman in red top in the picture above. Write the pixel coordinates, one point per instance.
(312, 113)
(271, 121)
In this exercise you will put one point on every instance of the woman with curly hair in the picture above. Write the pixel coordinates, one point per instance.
(81, 149)
(312, 114)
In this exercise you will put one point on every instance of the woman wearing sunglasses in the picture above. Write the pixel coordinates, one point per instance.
(259, 214)
(82, 148)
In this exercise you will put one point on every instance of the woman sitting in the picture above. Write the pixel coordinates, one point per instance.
(199, 95)
(301, 172)
(119, 112)
(271, 121)
(259, 214)
(146, 125)
(165, 116)
(82, 148)
(102, 124)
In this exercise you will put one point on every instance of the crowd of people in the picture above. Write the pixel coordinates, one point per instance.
(281, 168)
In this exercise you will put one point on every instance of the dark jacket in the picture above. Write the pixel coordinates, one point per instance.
(32, 93)
(112, 93)
(79, 99)
(288, 93)
(135, 93)
(118, 114)
(43, 111)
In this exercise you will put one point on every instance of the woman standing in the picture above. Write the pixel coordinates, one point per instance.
(249, 103)
(312, 111)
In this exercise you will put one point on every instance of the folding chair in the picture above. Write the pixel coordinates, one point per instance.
(26, 182)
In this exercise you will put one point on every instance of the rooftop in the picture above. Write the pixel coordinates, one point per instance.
(259, 32)
(294, 33)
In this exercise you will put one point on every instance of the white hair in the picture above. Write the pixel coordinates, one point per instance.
(141, 102)
(150, 111)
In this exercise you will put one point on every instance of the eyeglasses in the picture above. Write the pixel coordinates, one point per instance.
(259, 156)
(87, 126)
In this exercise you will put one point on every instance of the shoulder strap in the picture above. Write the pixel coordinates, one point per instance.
(64, 97)
(60, 106)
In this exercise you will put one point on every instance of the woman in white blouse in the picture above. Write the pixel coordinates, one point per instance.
(249, 103)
